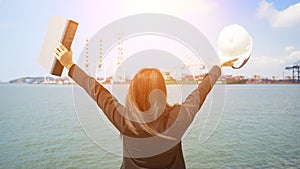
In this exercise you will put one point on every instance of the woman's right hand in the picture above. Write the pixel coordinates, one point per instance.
(64, 56)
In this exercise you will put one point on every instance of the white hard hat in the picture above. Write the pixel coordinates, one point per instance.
(235, 41)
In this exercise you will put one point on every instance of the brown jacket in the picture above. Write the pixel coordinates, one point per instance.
(143, 150)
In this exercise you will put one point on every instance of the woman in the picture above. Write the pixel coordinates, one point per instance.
(151, 129)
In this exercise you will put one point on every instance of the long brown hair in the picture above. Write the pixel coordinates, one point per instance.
(146, 98)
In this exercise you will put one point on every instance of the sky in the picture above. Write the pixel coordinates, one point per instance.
(273, 25)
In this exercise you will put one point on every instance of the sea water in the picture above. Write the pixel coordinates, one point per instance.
(259, 128)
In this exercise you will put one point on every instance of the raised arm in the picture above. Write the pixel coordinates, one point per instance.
(101, 95)
(195, 100)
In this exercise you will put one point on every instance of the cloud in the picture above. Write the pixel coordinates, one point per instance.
(268, 66)
(289, 49)
(267, 60)
(285, 18)
(294, 56)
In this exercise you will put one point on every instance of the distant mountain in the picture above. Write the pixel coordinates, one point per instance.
(42, 80)
(32, 80)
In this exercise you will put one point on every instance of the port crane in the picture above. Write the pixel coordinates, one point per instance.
(295, 71)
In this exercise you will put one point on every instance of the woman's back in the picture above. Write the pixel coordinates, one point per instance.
(147, 151)
(172, 159)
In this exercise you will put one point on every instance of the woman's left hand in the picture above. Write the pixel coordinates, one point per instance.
(229, 62)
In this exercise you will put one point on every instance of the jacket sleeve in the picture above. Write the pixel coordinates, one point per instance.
(195, 100)
(105, 100)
